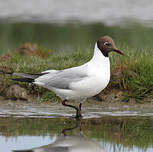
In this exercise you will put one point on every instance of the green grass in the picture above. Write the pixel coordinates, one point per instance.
(136, 78)
(69, 36)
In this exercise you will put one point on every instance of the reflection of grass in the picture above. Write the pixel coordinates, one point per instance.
(16, 127)
(129, 132)
(136, 77)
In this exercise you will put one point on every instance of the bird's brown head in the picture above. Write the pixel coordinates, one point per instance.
(106, 45)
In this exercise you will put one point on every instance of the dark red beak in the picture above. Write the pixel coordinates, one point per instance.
(118, 51)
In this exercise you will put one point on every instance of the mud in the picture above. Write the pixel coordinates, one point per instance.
(90, 109)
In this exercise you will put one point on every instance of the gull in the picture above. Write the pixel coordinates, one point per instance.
(81, 82)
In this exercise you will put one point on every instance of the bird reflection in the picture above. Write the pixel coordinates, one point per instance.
(67, 143)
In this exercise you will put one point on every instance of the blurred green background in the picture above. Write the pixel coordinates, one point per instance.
(67, 37)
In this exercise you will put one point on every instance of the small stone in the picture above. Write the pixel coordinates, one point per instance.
(16, 92)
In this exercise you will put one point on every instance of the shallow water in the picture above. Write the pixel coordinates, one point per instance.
(89, 11)
(56, 110)
(108, 133)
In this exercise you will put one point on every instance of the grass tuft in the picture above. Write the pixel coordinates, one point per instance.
(137, 77)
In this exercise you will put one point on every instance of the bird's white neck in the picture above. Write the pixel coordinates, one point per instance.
(98, 56)
(99, 65)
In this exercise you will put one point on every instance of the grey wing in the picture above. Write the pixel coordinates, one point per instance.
(62, 78)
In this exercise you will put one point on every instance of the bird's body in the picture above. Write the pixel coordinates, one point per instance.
(79, 82)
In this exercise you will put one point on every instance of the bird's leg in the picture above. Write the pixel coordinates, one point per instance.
(78, 109)
(80, 106)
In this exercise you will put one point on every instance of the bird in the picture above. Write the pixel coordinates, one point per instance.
(80, 82)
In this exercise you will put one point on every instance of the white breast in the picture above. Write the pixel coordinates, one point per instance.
(98, 71)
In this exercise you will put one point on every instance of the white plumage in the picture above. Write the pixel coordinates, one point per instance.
(79, 82)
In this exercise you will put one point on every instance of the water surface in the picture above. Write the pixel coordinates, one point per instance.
(112, 134)
(89, 11)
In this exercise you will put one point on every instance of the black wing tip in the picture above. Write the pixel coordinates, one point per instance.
(29, 80)
(22, 150)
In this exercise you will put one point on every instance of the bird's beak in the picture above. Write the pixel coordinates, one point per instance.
(118, 51)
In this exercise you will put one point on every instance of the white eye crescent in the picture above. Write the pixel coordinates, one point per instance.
(106, 43)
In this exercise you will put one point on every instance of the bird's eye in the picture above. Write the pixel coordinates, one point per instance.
(107, 43)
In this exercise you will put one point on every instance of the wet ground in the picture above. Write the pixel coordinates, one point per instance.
(50, 128)
(99, 109)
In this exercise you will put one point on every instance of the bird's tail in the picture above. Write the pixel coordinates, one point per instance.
(22, 150)
(26, 77)
(28, 80)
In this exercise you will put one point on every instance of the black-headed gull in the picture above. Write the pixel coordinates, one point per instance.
(79, 82)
